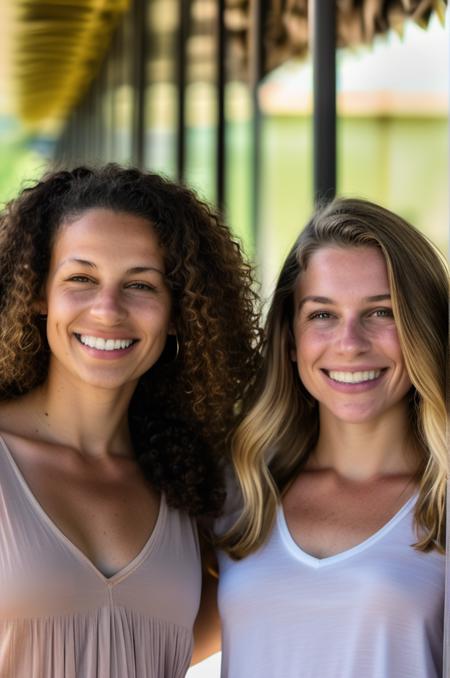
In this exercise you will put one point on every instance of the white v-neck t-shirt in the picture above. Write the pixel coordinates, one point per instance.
(372, 611)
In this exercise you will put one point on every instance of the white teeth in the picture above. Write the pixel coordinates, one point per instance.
(354, 377)
(105, 344)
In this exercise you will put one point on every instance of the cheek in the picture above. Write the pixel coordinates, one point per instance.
(156, 324)
(60, 313)
(309, 349)
(309, 345)
(62, 310)
(391, 344)
(59, 301)
(393, 350)
(157, 312)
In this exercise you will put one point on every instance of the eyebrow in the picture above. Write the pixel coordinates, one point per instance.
(90, 264)
(327, 300)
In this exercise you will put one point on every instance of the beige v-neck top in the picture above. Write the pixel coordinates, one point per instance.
(60, 617)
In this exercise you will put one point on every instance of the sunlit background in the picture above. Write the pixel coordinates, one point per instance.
(392, 131)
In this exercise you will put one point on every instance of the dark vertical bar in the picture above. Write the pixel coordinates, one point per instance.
(98, 94)
(256, 70)
(60, 149)
(138, 31)
(71, 139)
(110, 142)
(181, 67)
(323, 16)
(69, 143)
(120, 78)
(221, 127)
(91, 151)
(86, 132)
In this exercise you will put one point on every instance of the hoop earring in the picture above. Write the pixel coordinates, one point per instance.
(178, 347)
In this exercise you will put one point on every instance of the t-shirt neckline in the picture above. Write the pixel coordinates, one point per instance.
(317, 563)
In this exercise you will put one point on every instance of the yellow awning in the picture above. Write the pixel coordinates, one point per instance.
(58, 47)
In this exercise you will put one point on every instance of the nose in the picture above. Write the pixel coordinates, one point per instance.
(107, 306)
(352, 337)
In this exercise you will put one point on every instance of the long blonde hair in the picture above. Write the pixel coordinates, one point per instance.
(281, 424)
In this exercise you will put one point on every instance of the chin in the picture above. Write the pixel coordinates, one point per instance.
(103, 381)
(355, 416)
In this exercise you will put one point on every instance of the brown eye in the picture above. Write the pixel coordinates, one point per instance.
(79, 278)
(142, 286)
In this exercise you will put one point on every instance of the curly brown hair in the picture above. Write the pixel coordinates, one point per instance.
(183, 410)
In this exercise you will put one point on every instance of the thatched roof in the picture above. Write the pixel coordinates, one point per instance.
(358, 22)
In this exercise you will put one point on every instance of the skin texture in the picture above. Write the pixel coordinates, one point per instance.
(353, 331)
(108, 286)
(70, 436)
(362, 469)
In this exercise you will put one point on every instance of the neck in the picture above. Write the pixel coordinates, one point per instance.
(91, 420)
(366, 450)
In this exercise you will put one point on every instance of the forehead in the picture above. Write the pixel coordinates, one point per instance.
(103, 231)
(344, 271)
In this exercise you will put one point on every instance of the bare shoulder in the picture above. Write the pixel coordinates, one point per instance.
(15, 418)
(19, 433)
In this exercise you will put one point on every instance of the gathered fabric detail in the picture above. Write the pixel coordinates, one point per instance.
(105, 643)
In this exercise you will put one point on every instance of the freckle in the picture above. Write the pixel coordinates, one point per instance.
(46, 414)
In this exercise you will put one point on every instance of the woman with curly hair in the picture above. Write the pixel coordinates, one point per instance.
(127, 333)
(334, 563)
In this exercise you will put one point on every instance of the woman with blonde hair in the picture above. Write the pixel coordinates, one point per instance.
(127, 334)
(333, 563)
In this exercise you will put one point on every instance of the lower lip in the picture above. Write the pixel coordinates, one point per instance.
(361, 387)
(106, 355)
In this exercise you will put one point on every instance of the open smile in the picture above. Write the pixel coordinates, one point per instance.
(357, 377)
(102, 344)
(354, 381)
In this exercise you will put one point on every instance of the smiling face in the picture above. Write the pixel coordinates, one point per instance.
(346, 343)
(106, 298)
